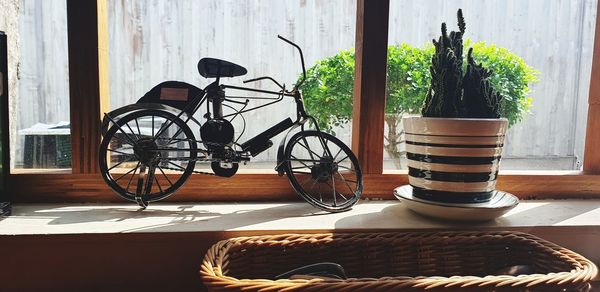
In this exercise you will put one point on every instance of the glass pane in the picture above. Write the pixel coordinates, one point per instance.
(39, 84)
(156, 41)
(540, 53)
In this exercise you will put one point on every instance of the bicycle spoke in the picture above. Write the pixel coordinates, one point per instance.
(299, 161)
(163, 128)
(160, 130)
(174, 149)
(175, 135)
(132, 132)
(348, 185)
(347, 168)
(336, 192)
(334, 196)
(112, 167)
(183, 169)
(178, 158)
(124, 142)
(349, 180)
(123, 153)
(336, 155)
(120, 129)
(138, 127)
(131, 178)
(320, 194)
(135, 168)
(140, 182)
(346, 157)
(149, 180)
(307, 180)
(175, 141)
(300, 167)
(310, 151)
(163, 173)
(305, 160)
(313, 184)
(301, 172)
(152, 125)
(158, 184)
(324, 145)
(304, 139)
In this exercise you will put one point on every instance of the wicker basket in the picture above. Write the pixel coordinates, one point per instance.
(433, 261)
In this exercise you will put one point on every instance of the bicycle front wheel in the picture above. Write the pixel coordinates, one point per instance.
(323, 171)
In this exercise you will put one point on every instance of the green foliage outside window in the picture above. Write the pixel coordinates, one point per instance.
(511, 77)
(329, 86)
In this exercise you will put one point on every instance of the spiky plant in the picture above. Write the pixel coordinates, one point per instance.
(452, 94)
(479, 97)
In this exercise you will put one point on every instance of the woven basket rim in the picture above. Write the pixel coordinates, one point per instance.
(211, 272)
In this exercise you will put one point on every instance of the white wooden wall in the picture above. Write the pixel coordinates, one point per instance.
(9, 23)
(41, 72)
(152, 41)
(44, 69)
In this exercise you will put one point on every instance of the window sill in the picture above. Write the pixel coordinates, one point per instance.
(87, 240)
(269, 187)
(553, 218)
(38, 219)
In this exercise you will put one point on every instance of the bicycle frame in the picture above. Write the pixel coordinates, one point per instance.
(220, 145)
(214, 94)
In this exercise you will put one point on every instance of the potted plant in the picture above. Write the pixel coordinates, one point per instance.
(454, 149)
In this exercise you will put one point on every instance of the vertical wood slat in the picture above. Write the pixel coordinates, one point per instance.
(591, 157)
(103, 61)
(88, 79)
(370, 83)
(594, 97)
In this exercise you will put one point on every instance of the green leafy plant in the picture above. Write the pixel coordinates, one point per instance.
(329, 86)
(328, 90)
(511, 77)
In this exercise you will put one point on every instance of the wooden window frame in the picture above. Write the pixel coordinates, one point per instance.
(89, 83)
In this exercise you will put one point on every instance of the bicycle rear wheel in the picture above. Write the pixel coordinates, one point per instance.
(323, 171)
(147, 155)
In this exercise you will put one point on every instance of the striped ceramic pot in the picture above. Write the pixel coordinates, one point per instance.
(453, 160)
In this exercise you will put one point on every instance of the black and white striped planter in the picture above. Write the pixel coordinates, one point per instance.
(453, 160)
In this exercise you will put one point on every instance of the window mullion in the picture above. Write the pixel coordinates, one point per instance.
(591, 157)
(88, 79)
(370, 83)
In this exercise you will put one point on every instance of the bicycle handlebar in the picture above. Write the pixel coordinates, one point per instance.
(263, 78)
(301, 59)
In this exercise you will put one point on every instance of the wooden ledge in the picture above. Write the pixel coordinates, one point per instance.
(45, 219)
(118, 247)
(81, 188)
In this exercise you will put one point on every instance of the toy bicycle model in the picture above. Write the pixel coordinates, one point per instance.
(149, 149)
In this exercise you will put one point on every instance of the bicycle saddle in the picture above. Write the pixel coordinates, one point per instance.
(211, 67)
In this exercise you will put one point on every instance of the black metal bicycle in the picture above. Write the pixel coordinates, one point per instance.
(148, 149)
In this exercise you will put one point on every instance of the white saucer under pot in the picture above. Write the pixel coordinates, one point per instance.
(500, 203)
